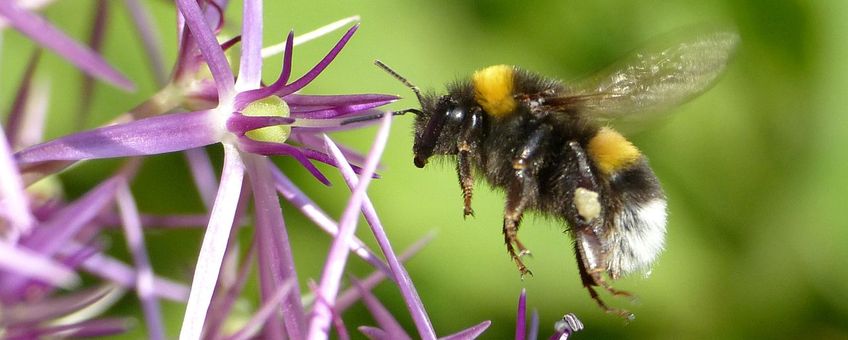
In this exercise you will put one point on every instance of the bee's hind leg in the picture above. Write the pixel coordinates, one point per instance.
(591, 270)
(591, 256)
(523, 187)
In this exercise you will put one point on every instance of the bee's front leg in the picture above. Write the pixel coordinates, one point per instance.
(524, 186)
(468, 145)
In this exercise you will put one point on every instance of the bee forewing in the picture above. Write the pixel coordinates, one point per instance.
(653, 80)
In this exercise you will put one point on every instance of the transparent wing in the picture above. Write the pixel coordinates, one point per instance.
(651, 80)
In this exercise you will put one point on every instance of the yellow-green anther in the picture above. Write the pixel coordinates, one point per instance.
(268, 106)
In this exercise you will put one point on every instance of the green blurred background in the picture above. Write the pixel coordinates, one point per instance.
(754, 169)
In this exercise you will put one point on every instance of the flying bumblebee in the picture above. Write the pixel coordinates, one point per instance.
(551, 148)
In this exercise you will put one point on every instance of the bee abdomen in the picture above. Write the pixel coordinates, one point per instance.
(636, 221)
(611, 152)
(638, 237)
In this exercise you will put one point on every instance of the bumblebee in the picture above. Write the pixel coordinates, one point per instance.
(551, 148)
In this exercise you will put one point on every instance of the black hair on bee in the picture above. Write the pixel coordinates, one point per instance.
(549, 146)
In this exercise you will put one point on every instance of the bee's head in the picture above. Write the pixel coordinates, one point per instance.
(437, 127)
(437, 124)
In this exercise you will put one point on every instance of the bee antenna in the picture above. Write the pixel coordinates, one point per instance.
(403, 80)
(379, 115)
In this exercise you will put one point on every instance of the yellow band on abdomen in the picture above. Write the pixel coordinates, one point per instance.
(611, 151)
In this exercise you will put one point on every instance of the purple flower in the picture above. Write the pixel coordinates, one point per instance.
(569, 324)
(257, 120)
(49, 241)
(200, 104)
(50, 37)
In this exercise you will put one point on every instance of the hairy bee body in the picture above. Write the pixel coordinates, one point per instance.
(550, 148)
(630, 197)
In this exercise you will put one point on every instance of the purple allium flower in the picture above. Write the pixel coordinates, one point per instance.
(44, 243)
(50, 37)
(569, 324)
(200, 104)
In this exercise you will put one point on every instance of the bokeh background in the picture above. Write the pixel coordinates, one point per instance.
(755, 169)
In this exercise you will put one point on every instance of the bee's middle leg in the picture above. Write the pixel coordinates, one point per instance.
(515, 204)
(524, 186)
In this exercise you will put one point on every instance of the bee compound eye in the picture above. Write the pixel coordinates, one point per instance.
(456, 114)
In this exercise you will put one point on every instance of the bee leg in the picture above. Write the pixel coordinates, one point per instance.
(468, 144)
(466, 179)
(590, 272)
(510, 230)
(591, 257)
(515, 204)
(522, 189)
(610, 289)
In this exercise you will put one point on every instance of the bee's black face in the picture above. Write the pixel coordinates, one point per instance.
(437, 128)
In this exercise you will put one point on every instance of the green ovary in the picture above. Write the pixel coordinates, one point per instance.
(269, 106)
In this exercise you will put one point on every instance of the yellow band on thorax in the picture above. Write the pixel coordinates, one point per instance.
(493, 90)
